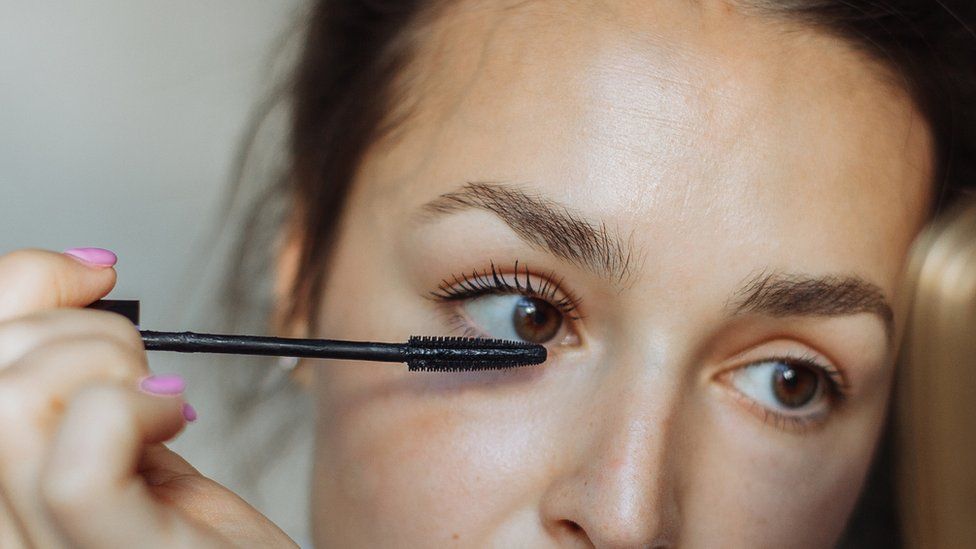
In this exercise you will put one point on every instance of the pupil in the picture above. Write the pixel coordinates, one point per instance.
(795, 385)
(536, 320)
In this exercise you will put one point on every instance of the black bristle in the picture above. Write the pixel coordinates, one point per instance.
(459, 354)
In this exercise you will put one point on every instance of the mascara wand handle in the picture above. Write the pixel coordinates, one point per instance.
(190, 342)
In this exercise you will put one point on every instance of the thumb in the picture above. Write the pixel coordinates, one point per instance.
(37, 280)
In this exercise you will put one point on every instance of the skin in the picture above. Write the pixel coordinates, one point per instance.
(715, 145)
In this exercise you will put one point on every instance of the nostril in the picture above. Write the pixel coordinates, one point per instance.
(572, 534)
(572, 526)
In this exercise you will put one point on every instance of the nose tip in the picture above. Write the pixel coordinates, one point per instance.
(620, 510)
(618, 486)
(617, 528)
(620, 491)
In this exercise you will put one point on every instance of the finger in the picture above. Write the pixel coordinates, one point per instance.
(23, 334)
(89, 482)
(172, 480)
(10, 530)
(34, 280)
(33, 394)
(55, 370)
(160, 465)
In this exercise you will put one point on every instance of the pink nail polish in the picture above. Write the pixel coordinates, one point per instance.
(163, 385)
(189, 413)
(93, 256)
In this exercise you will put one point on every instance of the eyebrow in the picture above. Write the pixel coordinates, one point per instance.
(780, 294)
(566, 234)
(545, 224)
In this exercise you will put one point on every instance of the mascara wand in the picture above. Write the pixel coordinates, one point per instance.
(420, 353)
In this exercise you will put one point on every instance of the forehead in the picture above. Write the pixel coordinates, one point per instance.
(666, 118)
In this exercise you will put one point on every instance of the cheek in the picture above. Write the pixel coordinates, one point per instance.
(778, 489)
(414, 450)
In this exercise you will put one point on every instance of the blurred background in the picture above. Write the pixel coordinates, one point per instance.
(119, 128)
(119, 124)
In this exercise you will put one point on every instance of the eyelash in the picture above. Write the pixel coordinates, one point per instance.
(492, 282)
(837, 390)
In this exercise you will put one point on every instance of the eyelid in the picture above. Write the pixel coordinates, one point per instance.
(495, 281)
(755, 354)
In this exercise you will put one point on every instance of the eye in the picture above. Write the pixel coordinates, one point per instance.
(515, 317)
(800, 390)
(515, 305)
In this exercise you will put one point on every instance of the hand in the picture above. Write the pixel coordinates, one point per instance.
(82, 424)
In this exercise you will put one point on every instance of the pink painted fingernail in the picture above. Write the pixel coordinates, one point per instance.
(163, 385)
(93, 256)
(189, 412)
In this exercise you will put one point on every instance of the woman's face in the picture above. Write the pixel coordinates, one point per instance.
(709, 213)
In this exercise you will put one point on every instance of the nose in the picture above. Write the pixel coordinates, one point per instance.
(619, 490)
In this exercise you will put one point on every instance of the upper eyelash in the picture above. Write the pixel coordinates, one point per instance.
(493, 282)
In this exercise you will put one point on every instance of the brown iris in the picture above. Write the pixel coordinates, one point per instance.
(795, 385)
(536, 320)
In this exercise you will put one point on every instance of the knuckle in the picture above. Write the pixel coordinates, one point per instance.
(12, 404)
(122, 329)
(66, 362)
(24, 416)
(16, 333)
(29, 281)
(22, 333)
(25, 327)
(118, 359)
(19, 399)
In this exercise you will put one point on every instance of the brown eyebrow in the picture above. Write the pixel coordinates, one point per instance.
(544, 223)
(782, 294)
(566, 234)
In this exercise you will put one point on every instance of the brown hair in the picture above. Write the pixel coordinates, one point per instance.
(343, 102)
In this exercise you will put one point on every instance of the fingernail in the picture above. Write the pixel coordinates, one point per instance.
(93, 256)
(163, 385)
(189, 413)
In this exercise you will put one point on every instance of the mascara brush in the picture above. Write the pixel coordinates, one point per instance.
(420, 353)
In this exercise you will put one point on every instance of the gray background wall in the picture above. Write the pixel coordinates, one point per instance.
(118, 126)
(118, 123)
